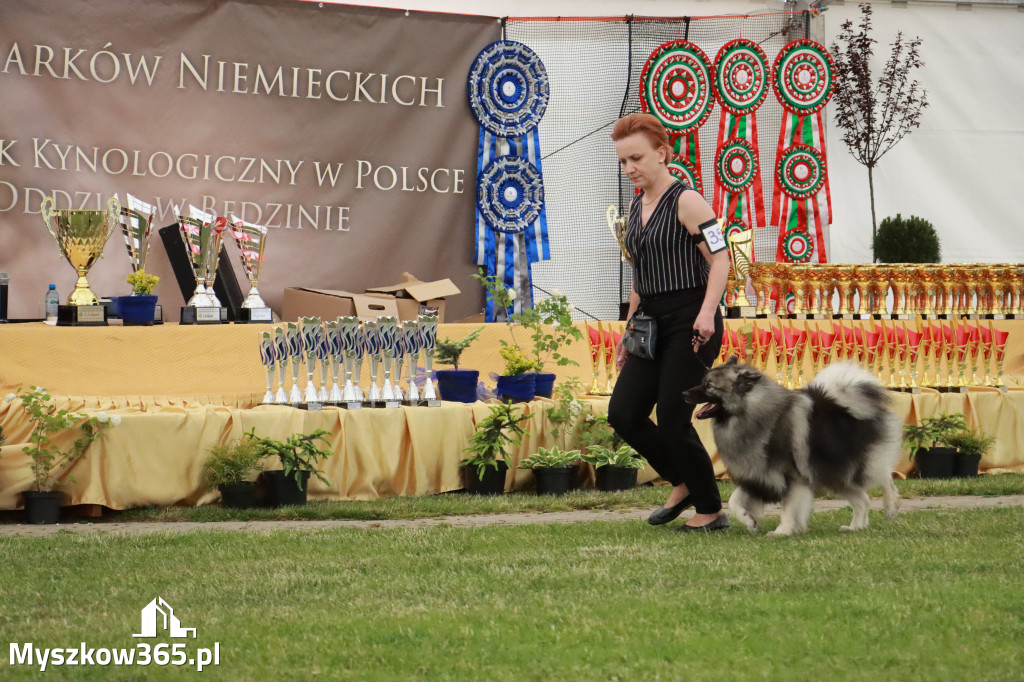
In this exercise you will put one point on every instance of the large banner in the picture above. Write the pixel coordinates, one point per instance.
(345, 130)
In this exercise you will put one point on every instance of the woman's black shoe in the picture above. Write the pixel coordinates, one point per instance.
(665, 514)
(720, 523)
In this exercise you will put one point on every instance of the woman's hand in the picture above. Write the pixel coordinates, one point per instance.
(620, 356)
(704, 329)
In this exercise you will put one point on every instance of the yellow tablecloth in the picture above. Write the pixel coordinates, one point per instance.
(180, 390)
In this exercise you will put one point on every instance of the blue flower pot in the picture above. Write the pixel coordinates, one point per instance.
(138, 309)
(518, 388)
(458, 385)
(545, 384)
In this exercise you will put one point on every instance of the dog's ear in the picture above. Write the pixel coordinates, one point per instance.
(746, 379)
(732, 360)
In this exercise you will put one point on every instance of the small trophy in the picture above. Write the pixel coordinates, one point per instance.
(334, 352)
(619, 225)
(411, 331)
(401, 349)
(202, 234)
(250, 240)
(267, 357)
(387, 332)
(81, 236)
(360, 351)
(741, 252)
(310, 344)
(351, 345)
(428, 337)
(295, 354)
(372, 345)
(323, 354)
(281, 355)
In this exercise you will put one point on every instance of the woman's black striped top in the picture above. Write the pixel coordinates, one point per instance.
(665, 255)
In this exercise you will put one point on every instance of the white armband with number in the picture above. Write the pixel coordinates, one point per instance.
(713, 235)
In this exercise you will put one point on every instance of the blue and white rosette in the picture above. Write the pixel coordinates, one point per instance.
(508, 93)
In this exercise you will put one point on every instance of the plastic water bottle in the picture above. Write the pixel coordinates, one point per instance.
(52, 300)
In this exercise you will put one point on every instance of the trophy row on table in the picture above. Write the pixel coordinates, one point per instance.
(934, 291)
(946, 357)
(338, 348)
(81, 236)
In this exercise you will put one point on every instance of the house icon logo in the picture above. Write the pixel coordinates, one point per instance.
(159, 613)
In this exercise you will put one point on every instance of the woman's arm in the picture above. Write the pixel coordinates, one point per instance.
(692, 212)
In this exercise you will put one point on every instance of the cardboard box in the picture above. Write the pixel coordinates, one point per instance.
(412, 293)
(330, 305)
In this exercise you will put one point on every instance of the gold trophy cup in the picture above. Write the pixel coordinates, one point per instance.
(81, 236)
(741, 252)
(619, 224)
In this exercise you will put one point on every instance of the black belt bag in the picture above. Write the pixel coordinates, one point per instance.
(641, 336)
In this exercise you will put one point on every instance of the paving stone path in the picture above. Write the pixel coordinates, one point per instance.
(468, 521)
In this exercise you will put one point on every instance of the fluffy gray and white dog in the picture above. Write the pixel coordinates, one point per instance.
(780, 445)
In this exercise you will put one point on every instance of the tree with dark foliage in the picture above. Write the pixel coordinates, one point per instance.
(875, 116)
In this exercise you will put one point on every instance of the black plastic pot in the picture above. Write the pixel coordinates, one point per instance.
(493, 482)
(458, 385)
(42, 507)
(545, 385)
(238, 495)
(283, 491)
(611, 478)
(554, 480)
(965, 466)
(935, 462)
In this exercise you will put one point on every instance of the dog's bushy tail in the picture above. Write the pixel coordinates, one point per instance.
(863, 395)
(852, 388)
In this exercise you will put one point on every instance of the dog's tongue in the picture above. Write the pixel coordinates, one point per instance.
(706, 411)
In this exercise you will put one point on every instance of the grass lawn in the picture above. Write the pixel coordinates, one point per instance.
(934, 595)
(459, 503)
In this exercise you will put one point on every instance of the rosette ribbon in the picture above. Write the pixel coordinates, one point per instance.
(741, 80)
(676, 88)
(802, 81)
(508, 94)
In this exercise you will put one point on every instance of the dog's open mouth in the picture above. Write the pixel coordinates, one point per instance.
(709, 410)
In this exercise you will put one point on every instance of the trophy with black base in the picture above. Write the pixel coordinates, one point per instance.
(202, 234)
(81, 236)
(250, 240)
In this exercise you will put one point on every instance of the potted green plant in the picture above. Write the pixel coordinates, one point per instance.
(971, 446)
(929, 444)
(565, 411)
(298, 455)
(232, 469)
(913, 240)
(140, 307)
(456, 384)
(493, 434)
(549, 325)
(49, 461)
(553, 469)
(615, 469)
(519, 382)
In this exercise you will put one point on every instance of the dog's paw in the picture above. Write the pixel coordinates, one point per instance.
(779, 533)
(852, 528)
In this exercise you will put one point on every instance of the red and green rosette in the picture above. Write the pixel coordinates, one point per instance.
(676, 88)
(801, 199)
(742, 81)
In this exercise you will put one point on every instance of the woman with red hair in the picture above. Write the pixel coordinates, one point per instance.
(679, 281)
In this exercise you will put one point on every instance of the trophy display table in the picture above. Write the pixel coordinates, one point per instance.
(181, 389)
